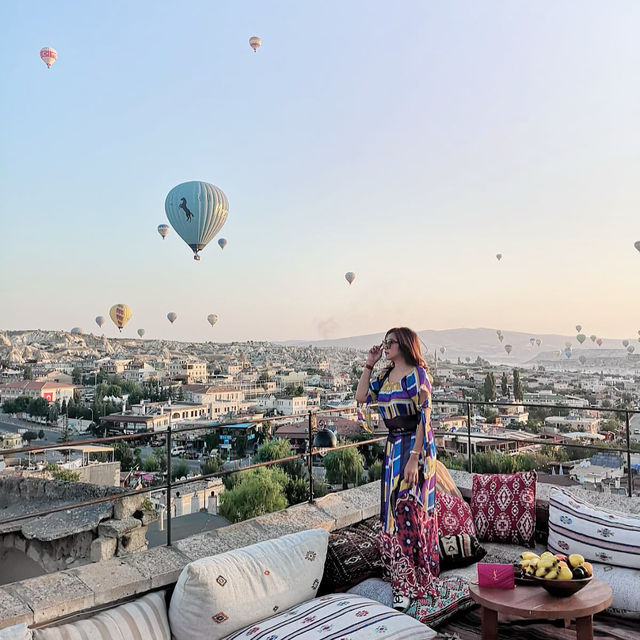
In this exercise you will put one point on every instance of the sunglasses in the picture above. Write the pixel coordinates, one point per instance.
(387, 343)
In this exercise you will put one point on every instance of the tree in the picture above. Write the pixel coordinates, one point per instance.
(76, 376)
(518, 392)
(38, 407)
(343, 465)
(65, 475)
(27, 373)
(275, 450)
(179, 469)
(256, 493)
(150, 464)
(28, 436)
(41, 435)
(371, 452)
(241, 445)
(375, 471)
(211, 465)
(297, 491)
(489, 387)
(504, 384)
(125, 455)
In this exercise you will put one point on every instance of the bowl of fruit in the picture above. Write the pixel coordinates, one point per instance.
(560, 575)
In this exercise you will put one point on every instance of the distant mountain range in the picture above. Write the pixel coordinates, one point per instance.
(471, 343)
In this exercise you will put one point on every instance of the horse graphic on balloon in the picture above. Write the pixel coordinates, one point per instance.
(183, 206)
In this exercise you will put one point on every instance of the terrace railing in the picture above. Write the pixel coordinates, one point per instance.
(308, 455)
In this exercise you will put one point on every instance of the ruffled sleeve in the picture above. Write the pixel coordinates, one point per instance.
(416, 383)
(375, 384)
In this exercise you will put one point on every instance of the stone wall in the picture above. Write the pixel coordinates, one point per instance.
(71, 537)
(104, 473)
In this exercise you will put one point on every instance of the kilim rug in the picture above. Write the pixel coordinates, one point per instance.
(605, 627)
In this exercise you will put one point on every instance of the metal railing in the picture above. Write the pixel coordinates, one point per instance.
(311, 417)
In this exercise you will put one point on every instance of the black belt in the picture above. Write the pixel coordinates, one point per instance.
(402, 424)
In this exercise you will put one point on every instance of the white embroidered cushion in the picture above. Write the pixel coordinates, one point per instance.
(16, 632)
(599, 536)
(336, 616)
(142, 619)
(218, 595)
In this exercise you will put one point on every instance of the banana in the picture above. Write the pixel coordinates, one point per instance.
(528, 555)
(541, 571)
(552, 575)
(547, 562)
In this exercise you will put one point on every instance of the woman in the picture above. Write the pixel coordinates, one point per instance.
(409, 537)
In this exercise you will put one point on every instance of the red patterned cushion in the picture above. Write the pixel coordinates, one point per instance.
(504, 507)
(454, 515)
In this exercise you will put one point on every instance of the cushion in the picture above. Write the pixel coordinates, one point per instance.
(142, 619)
(601, 536)
(16, 632)
(454, 515)
(444, 482)
(459, 551)
(218, 595)
(453, 597)
(352, 556)
(624, 583)
(504, 507)
(333, 617)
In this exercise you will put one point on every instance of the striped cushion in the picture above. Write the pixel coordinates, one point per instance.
(17, 632)
(600, 536)
(338, 616)
(142, 619)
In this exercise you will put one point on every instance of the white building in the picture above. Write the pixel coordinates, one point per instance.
(290, 405)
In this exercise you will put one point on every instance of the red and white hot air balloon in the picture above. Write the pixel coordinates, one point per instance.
(49, 55)
(349, 276)
(255, 42)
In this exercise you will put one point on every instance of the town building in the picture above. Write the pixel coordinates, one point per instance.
(50, 391)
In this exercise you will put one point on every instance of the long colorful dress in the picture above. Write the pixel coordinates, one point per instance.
(409, 538)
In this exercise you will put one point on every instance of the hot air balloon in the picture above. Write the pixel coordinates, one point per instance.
(197, 211)
(508, 348)
(581, 338)
(163, 230)
(171, 317)
(350, 276)
(222, 243)
(501, 337)
(212, 318)
(442, 350)
(532, 341)
(76, 330)
(593, 337)
(100, 320)
(637, 245)
(582, 359)
(639, 332)
(567, 345)
(631, 348)
(141, 332)
(567, 352)
(255, 42)
(625, 343)
(49, 55)
(538, 341)
(599, 342)
(498, 256)
(120, 314)
(558, 352)
(578, 328)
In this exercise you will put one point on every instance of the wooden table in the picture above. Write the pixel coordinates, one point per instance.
(535, 603)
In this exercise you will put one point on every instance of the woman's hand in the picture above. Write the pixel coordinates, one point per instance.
(375, 353)
(411, 471)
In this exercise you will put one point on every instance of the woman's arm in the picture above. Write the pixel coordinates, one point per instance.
(363, 386)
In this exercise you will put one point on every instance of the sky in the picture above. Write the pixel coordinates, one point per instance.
(406, 142)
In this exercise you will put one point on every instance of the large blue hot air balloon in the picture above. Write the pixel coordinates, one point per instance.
(197, 211)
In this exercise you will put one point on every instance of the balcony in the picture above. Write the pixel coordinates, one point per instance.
(42, 600)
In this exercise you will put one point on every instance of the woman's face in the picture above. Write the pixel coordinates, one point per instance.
(391, 347)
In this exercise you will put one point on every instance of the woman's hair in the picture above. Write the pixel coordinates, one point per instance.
(409, 345)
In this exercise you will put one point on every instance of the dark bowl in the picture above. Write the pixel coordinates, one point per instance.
(562, 588)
